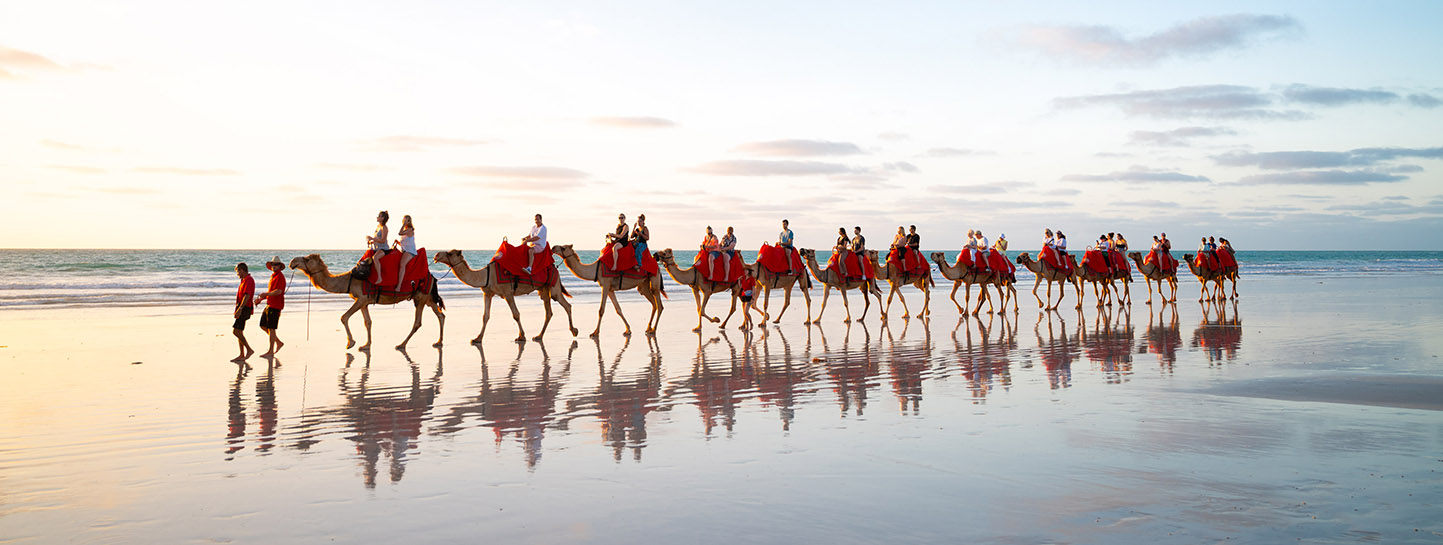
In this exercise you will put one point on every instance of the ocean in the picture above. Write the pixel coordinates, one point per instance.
(80, 278)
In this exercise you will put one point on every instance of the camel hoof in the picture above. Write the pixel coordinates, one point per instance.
(366, 348)
(713, 320)
(906, 316)
(522, 339)
(807, 322)
(626, 333)
(595, 334)
(350, 344)
(401, 347)
(575, 332)
(536, 338)
(476, 340)
(847, 321)
(436, 344)
(696, 329)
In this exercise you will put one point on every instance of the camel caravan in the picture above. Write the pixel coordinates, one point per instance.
(390, 274)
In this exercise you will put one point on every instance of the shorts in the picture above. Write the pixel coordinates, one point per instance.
(270, 318)
(746, 299)
(240, 320)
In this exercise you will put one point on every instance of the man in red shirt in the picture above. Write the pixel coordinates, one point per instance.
(243, 309)
(275, 297)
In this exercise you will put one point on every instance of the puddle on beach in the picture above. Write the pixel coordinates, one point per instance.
(1262, 421)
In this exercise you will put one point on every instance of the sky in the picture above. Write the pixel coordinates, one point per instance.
(1288, 125)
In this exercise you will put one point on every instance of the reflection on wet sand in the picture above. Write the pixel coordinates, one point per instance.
(908, 366)
(622, 402)
(714, 385)
(383, 421)
(1057, 351)
(1164, 338)
(780, 378)
(985, 362)
(266, 411)
(508, 405)
(1109, 344)
(1219, 335)
(852, 371)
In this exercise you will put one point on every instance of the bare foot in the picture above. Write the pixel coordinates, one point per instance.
(279, 345)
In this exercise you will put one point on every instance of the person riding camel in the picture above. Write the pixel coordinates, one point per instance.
(784, 241)
(709, 245)
(376, 242)
(979, 248)
(535, 242)
(1104, 246)
(841, 249)
(728, 250)
(898, 250)
(618, 240)
(639, 235)
(859, 248)
(914, 240)
(406, 242)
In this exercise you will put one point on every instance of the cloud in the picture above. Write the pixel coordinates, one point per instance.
(349, 167)
(126, 190)
(79, 169)
(1424, 101)
(187, 171)
(1113, 155)
(799, 148)
(421, 143)
(944, 153)
(15, 58)
(1148, 203)
(1388, 208)
(900, 166)
(61, 145)
(1281, 160)
(893, 137)
(751, 167)
(981, 189)
(1105, 45)
(1136, 174)
(1195, 101)
(1178, 137)
(1321, 177)
(533, 173)
(635, 122)
(1064, 192)
(1335, 96)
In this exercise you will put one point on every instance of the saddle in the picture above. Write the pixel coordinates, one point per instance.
(417, 276)
(909, 261)
(512, 261)
(718, 271)
(857, 268)
(626, 263)
(1162, 260)
(779, 260)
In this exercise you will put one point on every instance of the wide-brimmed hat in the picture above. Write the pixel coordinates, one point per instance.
(276, 260)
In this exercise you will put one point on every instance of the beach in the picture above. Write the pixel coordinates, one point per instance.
(1309, 409)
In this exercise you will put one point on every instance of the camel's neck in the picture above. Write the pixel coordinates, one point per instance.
(1144, 268)
(878, 267)
(469, 276)
(584, 271)
(816, 272)
(325, 281)
(684, 276)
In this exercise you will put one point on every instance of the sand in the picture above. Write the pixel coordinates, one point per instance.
(1308, 410)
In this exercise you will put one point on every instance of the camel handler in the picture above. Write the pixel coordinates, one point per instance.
(275, 297)
(243, 310)
(748, 286)
(536, 241)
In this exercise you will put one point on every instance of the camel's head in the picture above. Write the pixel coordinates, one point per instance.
(939, 257)
(564, 251)
(448, 257)
(1023, 258)
(872, 256)
(808, 253)
(1134, 255)
(305, 262)
(666, 257)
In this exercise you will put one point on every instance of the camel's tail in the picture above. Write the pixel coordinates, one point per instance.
(436, 293)
(661, 286)
(563, 288)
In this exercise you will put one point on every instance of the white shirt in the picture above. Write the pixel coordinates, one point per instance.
(408, 244)
(1061, 244)
(981, 243)
(539, 232)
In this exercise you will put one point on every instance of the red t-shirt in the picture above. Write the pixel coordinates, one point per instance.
(276, 284)
(247, 291)
(747, 283)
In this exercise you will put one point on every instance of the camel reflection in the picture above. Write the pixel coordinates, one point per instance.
(908, 365)
(715, 384)
(1219, 336)
(778, 377)
(985, 362)
(621, 403)
(1164, 338)
(1058, 351)
(265, 411)
(1109, 344)
(384, 421)
(520, 407)
(851, 371)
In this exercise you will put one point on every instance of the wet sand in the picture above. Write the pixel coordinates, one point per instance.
(1309, 410)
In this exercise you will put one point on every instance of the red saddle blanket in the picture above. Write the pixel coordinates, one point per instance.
(384, 271)
(998, 262)
(1206, 261)
(718, 271)
(625, 263)
(1097, 261)
(978, 264)
(909, 261)
(1057, 260)
(512, 260)
(1226, 259)
(857, 268)
(1162, 260)
(779, 260)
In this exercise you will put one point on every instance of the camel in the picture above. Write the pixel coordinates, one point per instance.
(1204, 276)
(1231, 273)
(701, 288)
(896, 279)
(650, 287)
(1042, 270)
(487, 279)
(961, 275)
(321, 277)
(1086, 274)
(832, 280)
(769, 281)
(1153, 273)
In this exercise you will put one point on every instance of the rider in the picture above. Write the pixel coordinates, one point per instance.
(406, 242)
(899, 245)
(709, 246)
(639, 235)
(979, 248)
(784, 241)
(376, 241)
(536, 241)
(859, 247)
(618, 240)
(1104, 245)
(728, 251)
(840, 249)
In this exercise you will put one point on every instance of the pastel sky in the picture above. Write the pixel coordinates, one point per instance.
(1307, 125)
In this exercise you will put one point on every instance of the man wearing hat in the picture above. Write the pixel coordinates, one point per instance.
(275, 296)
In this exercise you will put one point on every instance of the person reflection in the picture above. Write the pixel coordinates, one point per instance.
(778, 377)
(714, 385)
(266, 410)
(851, 371)
(265, 398)
(622, 402)
(1109, 344)
(521, 407)
(985, 365)
(1219, 335)
(384, 421)
(236, 413)
(908, 365)
(1058, 351)
(1164, 338)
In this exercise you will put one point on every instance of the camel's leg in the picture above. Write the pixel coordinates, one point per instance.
(602, 311)
(485, 318)
(906, 312)
(545, 303)
(1038, 280)
(366, 319)
(846, 305)
(440, 323)
(414, 326)
(617, 305)
(700, 314)
(566, 306)
(826, 293)
(516, 315)
(1001, 296)
(345, 321)
(786, 302)
(926, 299)
(956, 284)
(733, 310)
(806, 296)
(1012, 289)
